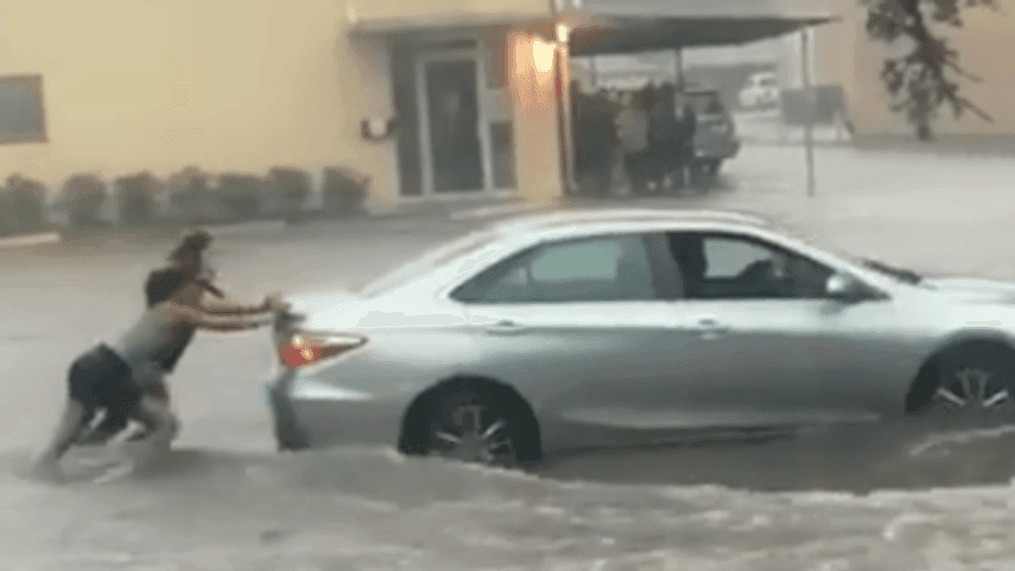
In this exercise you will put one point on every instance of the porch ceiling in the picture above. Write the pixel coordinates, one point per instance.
(629, 34)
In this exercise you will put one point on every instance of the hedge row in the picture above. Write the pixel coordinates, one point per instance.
(185, 197)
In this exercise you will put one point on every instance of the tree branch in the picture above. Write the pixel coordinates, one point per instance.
(920, 74)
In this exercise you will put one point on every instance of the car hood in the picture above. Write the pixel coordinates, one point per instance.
(974, 289)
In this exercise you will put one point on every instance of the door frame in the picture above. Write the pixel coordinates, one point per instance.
(482, 122)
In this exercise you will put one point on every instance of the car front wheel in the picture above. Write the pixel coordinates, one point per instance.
(973, 390)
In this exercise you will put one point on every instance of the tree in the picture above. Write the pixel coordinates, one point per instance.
(22, 206)
(136, 196)
(917, 81)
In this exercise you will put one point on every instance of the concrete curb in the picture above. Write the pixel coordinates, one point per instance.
(242, 228)
(514, 207)
(31, 240)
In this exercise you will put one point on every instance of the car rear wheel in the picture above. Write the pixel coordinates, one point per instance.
(474, 427)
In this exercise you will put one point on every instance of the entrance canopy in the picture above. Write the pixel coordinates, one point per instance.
(629, 34)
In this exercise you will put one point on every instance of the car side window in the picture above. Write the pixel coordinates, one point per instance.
(740, 267)
(609, 268)
(728, 258)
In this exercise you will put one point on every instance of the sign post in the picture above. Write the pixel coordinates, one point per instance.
(805, 61)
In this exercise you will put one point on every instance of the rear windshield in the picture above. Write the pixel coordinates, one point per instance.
(706, 103)
(428, 262)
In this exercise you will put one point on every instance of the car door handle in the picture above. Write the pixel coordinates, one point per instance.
(709, 328)
(705, 326)
(709, 324)
(505, 327)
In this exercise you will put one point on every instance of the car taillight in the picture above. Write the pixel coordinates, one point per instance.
(306, 348)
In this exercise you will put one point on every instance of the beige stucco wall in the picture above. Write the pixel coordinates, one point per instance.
(986, 45)
(269, 82)
(398, 9)
(537, 142)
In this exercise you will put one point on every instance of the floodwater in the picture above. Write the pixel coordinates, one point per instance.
(361, 509)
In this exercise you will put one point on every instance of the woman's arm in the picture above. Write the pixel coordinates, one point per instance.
(219, 322)
(229, 307)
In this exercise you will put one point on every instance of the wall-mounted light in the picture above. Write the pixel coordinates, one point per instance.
(562, 33)
(379, 129)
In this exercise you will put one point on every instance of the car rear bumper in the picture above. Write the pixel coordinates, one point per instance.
(309, 414)
(717, 151)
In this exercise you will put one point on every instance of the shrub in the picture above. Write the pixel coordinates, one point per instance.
(189, 195)
(240, 195)
(344, 190)
(83, 196)
(291, 186)
(22, 206)
(136, 198)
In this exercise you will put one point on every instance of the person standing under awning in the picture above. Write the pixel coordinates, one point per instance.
(632, 129)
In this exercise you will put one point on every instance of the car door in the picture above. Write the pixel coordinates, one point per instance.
(763, 336)
(573, 324)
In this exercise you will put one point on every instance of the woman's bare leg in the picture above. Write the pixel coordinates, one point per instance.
(156, 412)
(47, 467)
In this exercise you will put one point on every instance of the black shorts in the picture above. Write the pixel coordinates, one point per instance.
(101, 379)
(118, 415)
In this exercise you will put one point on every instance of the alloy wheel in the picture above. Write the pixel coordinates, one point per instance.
(476, 433)
(973, 388)
(975, 397)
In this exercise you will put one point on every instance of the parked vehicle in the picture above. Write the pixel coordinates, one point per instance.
(715, 139)
(760, 92)
(618, 327)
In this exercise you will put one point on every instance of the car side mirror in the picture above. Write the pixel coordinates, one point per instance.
(846, 288)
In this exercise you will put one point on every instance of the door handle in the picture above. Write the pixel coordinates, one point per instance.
(505, 327)
(710, 328)
(705, 326)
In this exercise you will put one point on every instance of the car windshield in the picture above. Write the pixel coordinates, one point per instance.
(427, 263)
(815, 240)
(901, 274)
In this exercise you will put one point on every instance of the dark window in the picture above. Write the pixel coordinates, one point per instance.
(503, 154)
(403, 81)
(727, 266)
(603, 269)
(22, 117)
(498, 56)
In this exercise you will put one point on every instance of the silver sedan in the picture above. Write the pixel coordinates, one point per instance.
(609, 328)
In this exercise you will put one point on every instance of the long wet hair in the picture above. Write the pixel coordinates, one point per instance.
(195, 243)
(162, 284)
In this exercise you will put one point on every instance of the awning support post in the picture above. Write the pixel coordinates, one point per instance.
(678, 67)
(805, 60)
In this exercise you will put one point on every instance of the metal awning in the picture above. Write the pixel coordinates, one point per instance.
(630, 34)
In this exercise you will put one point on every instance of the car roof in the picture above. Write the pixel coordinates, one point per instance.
(600, 219)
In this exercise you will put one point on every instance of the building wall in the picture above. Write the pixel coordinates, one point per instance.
(265, 83)
(986, 45)
(399, 9)
(537, 140)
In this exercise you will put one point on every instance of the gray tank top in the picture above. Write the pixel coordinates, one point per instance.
(142, 345)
